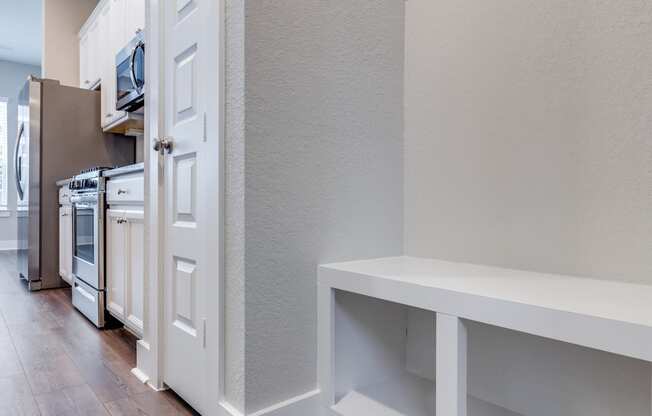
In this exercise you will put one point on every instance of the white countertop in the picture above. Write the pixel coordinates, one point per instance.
(124, 170)
(567, 308)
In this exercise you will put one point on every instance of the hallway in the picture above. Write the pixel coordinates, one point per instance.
(54, 362)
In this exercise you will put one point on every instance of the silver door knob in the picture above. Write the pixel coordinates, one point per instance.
(163, 145)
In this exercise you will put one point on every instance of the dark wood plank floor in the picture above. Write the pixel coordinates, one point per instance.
(54, 362)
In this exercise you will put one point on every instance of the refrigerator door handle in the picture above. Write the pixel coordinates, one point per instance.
(18, 161)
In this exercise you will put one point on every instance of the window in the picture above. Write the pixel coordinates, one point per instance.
(4, 166)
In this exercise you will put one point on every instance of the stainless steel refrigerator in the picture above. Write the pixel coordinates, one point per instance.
(59, 135)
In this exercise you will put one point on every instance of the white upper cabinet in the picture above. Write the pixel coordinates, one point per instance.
(134, 18)
(94, 44)
(84, 76)
(109, 28)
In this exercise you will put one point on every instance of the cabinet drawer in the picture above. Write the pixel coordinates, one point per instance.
(88, 301)
(64, 196)
(126, 189)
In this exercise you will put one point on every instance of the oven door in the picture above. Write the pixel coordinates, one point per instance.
(88, 237)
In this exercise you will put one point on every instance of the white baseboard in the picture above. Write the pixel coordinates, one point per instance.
(142, 377)
(8, 245)
(307, 404)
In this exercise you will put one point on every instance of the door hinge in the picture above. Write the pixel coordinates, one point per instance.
(204, 332)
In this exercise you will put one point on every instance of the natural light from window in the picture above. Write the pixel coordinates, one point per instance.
(4, 167)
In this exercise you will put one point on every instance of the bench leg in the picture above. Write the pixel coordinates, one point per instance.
(326, 349)
(451, 366)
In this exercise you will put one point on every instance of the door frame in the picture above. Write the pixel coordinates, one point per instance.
(150, 350)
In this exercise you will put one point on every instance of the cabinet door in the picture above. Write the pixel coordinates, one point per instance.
(135, 18)
(93, 52)
(136, 271)
(104, 53)
(63, 272)
(116, 260)
(118, 25)
(115, 44)
(84, 76)
(67, 221)
(65, 243)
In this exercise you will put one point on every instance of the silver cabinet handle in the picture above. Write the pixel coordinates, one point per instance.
(122, 191)
(163, 145)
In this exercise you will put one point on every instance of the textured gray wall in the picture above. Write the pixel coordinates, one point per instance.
(323, 169)
(234, 381)
(529, 145)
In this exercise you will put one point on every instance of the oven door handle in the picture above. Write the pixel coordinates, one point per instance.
(82, 201)
(85, 206)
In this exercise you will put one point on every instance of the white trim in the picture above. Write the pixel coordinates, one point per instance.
(8, 245)
(216, 348)
(5, 213)
(150, 358)
(306, 404)
(142, 377)
(227, 410)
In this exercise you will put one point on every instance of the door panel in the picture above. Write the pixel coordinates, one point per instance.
(185, 186)
(116, 255)
(136, 277)
(68, 244)
(191, 232)
(63, 272)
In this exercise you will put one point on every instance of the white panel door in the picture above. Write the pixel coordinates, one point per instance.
(191, 184)
(135, 270)
(116, 261)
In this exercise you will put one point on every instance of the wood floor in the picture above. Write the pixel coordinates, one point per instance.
(54, 362)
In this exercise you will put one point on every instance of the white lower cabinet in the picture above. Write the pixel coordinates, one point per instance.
(125, 266)
(65, 243)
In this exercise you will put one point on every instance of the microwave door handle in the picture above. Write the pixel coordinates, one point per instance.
(132, 69)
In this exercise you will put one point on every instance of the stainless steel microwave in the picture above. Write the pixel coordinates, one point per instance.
(130, 75)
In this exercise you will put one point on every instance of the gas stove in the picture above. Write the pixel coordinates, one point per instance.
(89, 180)
(88, 211)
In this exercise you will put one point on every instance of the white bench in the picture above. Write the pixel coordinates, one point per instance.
(604, 315)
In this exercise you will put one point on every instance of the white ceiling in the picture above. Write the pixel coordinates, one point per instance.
(21, 31)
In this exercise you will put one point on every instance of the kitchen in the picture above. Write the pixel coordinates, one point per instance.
(75, 179)
(96, 133)
(327, 208)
